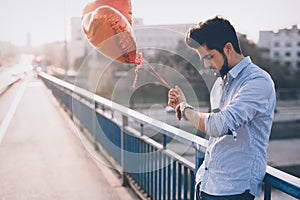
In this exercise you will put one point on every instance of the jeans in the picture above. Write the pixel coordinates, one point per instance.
(203, 196)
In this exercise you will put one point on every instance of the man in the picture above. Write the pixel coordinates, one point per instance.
(242, 103)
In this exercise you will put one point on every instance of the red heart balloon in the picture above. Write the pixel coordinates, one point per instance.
(123, 6)
(109, 31)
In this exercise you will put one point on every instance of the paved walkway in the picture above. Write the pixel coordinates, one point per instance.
(42, 157)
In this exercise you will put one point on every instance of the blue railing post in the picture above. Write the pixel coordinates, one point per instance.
(198, 158)
(160, 165)
(142, 129)
(169, 177)
(179, 182)
(164, 141)
(198, 161)
(174, 173)
(95, 126)
(192, 181)
(155, 169)
(267, 192)
(79, 112)
(123, 150)
(164, 176)
(148, 169)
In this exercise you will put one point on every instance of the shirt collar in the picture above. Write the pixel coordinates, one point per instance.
(234, 72)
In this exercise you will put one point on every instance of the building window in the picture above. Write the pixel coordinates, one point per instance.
(288, 44)
(276, 44)
(298, 44)
(276, 54)
(298, 65)
(298, 54)
(288, 54)
(287, 63)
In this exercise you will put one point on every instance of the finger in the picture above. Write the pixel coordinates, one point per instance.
(173, 94)
(178, 90)
(172, 90)
(174, 99)
(171, 103)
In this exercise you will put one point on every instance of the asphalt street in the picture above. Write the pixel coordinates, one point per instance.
(43, 156)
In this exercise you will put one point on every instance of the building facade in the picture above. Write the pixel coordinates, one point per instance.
(282, 46)
(78, 45)
(162, 36)
(148, 37)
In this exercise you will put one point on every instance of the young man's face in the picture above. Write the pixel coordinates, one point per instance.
(212, 59)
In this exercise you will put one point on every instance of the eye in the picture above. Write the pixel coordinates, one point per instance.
(207, 57)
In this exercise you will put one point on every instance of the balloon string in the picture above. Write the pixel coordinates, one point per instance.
(136, 74)
(154, 73)
(158, 76)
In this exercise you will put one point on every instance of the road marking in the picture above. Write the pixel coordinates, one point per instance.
(5, 123)
(35, 84)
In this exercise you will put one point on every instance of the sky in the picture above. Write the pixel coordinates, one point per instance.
(45, 19)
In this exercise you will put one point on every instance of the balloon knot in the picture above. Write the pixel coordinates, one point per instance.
(139, 58)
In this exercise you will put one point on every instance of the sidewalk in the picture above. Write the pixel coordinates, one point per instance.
(41, 157)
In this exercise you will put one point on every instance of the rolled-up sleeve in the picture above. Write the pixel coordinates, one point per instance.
(252, 97)
(214, 124)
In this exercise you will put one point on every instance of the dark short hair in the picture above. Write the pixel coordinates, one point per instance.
(214, 33)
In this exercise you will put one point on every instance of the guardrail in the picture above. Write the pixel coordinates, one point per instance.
(4, 87)
(148, 166)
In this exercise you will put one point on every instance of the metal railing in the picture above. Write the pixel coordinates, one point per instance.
(149, 166)
(5, 86)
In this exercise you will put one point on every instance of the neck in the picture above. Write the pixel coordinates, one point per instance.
(235, 60)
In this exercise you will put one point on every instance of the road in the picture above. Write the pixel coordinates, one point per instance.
(42, 153)
(8, 75)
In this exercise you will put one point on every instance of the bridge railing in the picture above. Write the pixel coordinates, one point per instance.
(149, 166)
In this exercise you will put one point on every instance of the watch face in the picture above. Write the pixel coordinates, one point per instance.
(184, 106)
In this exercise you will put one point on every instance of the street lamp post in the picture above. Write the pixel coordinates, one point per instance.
(66, 61)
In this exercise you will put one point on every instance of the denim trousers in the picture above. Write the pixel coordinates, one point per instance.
(204, 196)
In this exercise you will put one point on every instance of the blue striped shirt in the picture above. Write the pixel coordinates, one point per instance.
(239, 128)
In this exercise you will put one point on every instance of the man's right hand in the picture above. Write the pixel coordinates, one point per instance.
(175, 97)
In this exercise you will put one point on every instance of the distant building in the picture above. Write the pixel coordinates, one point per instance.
(282, 46)
(79, 45)
(76, 29)
(165, 37)
(148, 37)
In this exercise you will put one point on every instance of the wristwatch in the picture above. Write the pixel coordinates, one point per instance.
(183, 106)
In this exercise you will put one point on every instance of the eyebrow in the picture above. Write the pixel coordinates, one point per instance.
(205, 57)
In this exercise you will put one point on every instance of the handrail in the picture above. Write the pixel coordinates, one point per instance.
(282, 181)
(169, 130)
(7, 85)
(274, 178)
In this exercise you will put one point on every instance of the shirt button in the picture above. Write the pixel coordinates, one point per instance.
(206, 168)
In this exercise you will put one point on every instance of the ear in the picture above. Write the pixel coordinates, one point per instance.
(228, 48)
